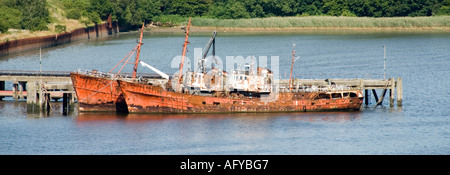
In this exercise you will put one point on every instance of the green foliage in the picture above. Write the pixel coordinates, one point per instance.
(347, 12)
(76, 9)
(34, 15)
(135, 12)
(60, 28)
(227, 9)
(444, 9)
(94, 17)
(3, 26)
(24, 14)
(73, 14)
(9, 16)
(170, 19)
(185, 7)
(234, 10)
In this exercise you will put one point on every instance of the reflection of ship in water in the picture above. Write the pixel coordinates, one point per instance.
(218, 91)
(157, 117)
(331, 117)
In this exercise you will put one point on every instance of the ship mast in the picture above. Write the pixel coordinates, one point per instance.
(138, 51)
(186, 42)
(292, 66)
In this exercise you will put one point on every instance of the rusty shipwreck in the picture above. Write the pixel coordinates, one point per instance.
(242, 90)
(100, 92)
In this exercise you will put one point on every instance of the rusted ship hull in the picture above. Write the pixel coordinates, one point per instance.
(98, 94)
(142, 98)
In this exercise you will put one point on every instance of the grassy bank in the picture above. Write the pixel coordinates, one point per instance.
(329, 22)
(273, 24)
(57, 17)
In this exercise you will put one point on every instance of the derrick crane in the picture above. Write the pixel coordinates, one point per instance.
(212, 42)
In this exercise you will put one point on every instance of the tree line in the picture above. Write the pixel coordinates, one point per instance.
(23, 14)
(33, 14)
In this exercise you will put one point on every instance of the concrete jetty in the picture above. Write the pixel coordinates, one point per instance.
(38, 88)
(391, 84)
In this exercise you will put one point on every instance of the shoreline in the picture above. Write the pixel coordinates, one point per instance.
(308, 24)
(249, 30)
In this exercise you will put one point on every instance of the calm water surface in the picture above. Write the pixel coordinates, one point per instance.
(421, 126)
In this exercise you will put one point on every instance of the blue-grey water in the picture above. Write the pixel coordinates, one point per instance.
(420, 126)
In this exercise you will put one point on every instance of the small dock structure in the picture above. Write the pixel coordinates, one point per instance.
(368, 85)
(38, 88)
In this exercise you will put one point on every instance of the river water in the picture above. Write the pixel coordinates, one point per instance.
(420, 126)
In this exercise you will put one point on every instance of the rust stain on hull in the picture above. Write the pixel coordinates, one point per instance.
(98, 93)
(144, 98)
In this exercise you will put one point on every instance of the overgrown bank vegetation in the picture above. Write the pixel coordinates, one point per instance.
(330, 22)
(34, 15)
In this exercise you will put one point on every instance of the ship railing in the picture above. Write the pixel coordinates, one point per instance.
(97, 73)
(327, 88)
(285, 75)
(140, 76)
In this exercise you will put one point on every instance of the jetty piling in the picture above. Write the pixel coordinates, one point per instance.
(399, 91)
(374, 92)
(392, 92)
(2, 88)
(366, 99)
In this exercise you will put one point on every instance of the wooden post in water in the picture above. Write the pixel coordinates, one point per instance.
(375, 95)
(2, 88)
(41, 95)
(391, 93)
(380, 101)
(366, 96)
(399, 91)
(65, 103)
(71, 102)
(15, 89)
(32, 105)
(47, 106)
(22, 88)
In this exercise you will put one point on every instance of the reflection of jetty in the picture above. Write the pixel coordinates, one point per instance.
(57, 85)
